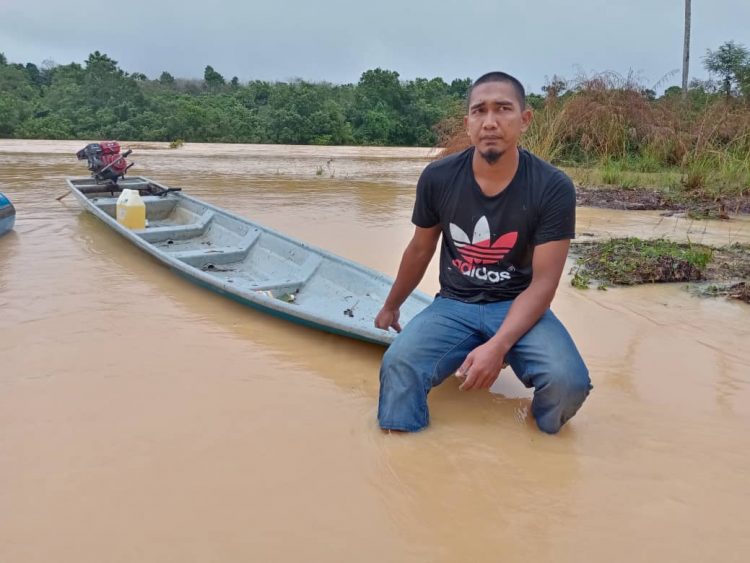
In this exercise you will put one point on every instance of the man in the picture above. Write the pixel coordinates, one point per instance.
(507, 218)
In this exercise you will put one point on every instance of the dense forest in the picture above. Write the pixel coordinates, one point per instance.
(100, 100)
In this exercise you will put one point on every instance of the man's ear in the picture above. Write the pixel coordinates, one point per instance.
(466, 124)
(526, 117)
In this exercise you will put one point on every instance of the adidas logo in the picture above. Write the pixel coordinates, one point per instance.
(479, 250)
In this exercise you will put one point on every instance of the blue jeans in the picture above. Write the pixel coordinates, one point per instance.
(435, 343)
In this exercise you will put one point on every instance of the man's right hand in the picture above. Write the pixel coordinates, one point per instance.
(413, 264)
(388, 318)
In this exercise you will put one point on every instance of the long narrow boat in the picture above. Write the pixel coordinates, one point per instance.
(250, 263)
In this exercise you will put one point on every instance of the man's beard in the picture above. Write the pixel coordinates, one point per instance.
(491, 155)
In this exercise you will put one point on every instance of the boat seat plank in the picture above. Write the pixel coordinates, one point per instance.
(200, 257)
(154, 204)
(102, 201)
(176, 232)
(306, 271)
(289, 285)
(310, 266)
(219, 255)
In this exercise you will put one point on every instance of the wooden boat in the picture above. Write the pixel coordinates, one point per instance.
(7, 214)
(249, 263)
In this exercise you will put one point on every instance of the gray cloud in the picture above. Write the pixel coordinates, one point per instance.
(336, 40)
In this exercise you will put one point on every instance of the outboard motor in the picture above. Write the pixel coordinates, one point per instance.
(105, 161)
(7, 214)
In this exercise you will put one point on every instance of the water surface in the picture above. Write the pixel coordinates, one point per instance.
(146, 419)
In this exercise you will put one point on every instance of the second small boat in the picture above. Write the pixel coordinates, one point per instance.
(7, 214)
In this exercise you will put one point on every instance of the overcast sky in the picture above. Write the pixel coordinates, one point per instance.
(336, 40)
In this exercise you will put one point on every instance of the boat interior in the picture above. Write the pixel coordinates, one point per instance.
(249, 257)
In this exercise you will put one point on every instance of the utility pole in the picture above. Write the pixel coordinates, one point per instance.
(686, 52)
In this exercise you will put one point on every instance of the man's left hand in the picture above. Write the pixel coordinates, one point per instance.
(481, 367)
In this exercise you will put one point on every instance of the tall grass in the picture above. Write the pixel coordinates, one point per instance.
(542, 137)
(607, 121)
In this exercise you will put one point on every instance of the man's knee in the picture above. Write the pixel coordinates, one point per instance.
(398, 369)
(403, 398)
(393, 359)
(560, 394)
(570, 385)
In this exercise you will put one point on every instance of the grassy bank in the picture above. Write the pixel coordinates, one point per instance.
(608, 132)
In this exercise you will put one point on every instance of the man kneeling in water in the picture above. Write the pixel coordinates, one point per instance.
(507, 218)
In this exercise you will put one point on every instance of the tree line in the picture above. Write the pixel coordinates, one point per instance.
(97, 100)
(100, 100)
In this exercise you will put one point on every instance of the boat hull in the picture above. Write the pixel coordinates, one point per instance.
(251, 264)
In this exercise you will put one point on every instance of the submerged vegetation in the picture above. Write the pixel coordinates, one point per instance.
(739, 291)
(630, 261)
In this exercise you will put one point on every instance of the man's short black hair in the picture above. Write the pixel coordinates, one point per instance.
(497, 76)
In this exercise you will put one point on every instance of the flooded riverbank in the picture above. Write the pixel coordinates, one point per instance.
(147, 419)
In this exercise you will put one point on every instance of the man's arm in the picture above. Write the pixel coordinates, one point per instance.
(414, 262)
(484, 363)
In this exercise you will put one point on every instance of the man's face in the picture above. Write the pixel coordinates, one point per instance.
(496, 120)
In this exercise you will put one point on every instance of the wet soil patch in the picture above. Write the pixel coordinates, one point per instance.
(698, 206)
(631, 261)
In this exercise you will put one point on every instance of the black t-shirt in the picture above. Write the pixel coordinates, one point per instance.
(488, 242)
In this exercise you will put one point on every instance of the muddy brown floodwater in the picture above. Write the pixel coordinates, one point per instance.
(145, 419)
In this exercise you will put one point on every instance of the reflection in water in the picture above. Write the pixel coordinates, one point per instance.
(151, 420)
